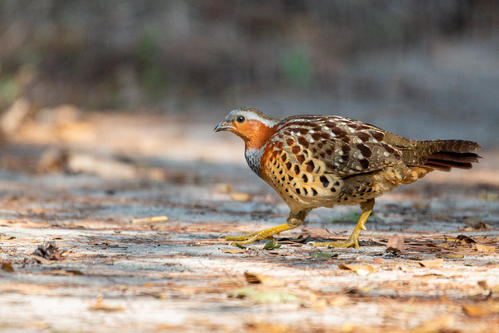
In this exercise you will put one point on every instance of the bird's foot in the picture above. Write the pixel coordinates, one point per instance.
(256, 236)
(353, 240)
(350, 242)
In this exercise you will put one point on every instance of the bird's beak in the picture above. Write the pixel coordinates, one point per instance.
(223, 126)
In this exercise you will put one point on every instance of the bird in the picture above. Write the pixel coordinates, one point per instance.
(316, 161)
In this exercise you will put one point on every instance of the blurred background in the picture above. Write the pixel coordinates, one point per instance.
(107, 110)
(424, 69)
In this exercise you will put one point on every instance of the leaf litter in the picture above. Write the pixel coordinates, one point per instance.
(437, 276)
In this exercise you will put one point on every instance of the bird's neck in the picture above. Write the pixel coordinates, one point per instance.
(258, 136)
(254, 158)
(255, 141)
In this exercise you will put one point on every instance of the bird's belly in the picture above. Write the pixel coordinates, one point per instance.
(305, 192)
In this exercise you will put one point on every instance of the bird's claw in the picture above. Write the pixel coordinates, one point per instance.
(351, 242)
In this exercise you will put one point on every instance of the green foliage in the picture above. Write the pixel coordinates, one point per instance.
(296, 65)
(271, 245)
(8, 90)
(267, 296)
(152, 74)
(322, 255)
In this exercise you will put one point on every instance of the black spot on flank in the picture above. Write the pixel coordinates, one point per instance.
(364, 150)
(300, 158)
(388, 148)
(310, 166)
(290, 178)
(324, 181)
(377, 135)
(295, 149)
(364, 163)
(305, 191)
(325, 136)
(338, 132)
(283, 178)
(305, 178)
(314, 192)
(297, 169)
(283, 157)
(303, 141)
(345, 149)
(363, 136)
(298, 191)
(288, 165)
(280, 172)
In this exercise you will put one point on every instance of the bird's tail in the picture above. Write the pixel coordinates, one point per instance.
(446, 154)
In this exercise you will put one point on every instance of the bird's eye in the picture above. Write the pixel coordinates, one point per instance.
(240, 119)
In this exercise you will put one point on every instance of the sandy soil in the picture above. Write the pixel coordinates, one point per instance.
(79, 254)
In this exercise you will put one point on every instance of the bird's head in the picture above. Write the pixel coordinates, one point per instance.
(253, 126)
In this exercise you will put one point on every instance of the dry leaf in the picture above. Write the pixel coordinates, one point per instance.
(233, 251)
(483, 284)
(481, 310)
(433, 263)
(261, 327)
(253, 278)
(48, 251)
(7, 267)
(339, 300)
(151, 219)
(223, 188)
(240, 196)
(484, 248)
(69, 272)
(465, 239)
(454, 256)
(396, 244)
(359, 269)
(101, 306)
(7, 237)
(439, 324)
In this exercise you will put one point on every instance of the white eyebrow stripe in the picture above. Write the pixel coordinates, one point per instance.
(252, 116)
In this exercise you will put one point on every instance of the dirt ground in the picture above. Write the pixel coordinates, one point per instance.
(81, 253)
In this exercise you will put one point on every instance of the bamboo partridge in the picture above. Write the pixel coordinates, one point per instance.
(323, 161)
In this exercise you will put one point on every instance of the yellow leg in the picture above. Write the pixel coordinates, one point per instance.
(295, 219)
(353, 240)
(256, 236)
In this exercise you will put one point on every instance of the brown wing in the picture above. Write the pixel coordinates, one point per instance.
(309, 156)
(346, 147)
